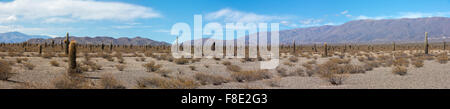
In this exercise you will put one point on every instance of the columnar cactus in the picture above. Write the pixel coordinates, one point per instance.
(445, 45)
(53, 43)
(325, 52)
(103, 46)
(315, 48)
(345, 48)
(72, 57)
(294, 47)
(393, 45)
(110, 46)
(40, 49)
(426, 43)
(67, 42)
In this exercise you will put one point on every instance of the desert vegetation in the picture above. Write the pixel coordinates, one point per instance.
(70, 65)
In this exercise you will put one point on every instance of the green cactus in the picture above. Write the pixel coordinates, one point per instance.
(315, 48)
(294, 47)
(40, 49)
(325, 50)
(73, 57)
(111, 46)
(103, 46)
(67, 42)
(53, 43)
(393, 45)
(426, 43)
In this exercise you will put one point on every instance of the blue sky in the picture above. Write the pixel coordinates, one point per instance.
(154, 18)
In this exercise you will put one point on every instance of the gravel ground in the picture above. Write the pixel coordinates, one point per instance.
(433, 75)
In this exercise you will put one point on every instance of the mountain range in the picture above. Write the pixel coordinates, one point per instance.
(372, 31)
(357, 31)
(104, 40)
(17, 37)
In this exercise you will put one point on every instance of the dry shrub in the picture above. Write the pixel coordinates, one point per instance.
(92, 65)
(293, 59)
(418, 63)
(210, 79)
(245, 76)
(442, 58)
(226, 63)
(105, 56)
(20, 60)
(151, 66)
(48, 55)
(288, 63)
(120, 60)
(353, 69)
(340, 61)
(234, 68)
(181, 61)
(163, 72)
(120, 67)
(5, 70)
(400, 70)
(142, 59)
(311, 62)
(310, 69)
(109, 82)
(192, 67)
(335, 79)
(330, 67)
(149, 54)
(282, 72)
(274, 82)
(29, 66)
(167, 83)
(401, 62)
(72, 81)
(54, 63)
(334, 72)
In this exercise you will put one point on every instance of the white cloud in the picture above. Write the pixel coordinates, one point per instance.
(71, 10)
(344, 12)
(310, 21)
(406, 15)
(229, 15)
(58, 20)
(7, 19)
(9, 28)
(362, 17)
(52, 36)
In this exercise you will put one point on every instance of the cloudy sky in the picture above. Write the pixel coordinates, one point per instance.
(154, 18)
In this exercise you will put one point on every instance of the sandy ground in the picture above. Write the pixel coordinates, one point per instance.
(433, 75)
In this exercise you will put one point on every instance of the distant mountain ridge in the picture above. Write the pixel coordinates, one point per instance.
(16, 37)
(371, 31)
(104, 40)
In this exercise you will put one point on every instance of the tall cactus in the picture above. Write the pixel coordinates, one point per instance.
(111, 46)
(325, 50)
(53, 43)
(40, 49)
(294, 47)
(426, 43)
(315, 48)
(67, 42)
(72, 57)
(393, 45)
(445, 45)
(103, 46)
(345, 48)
